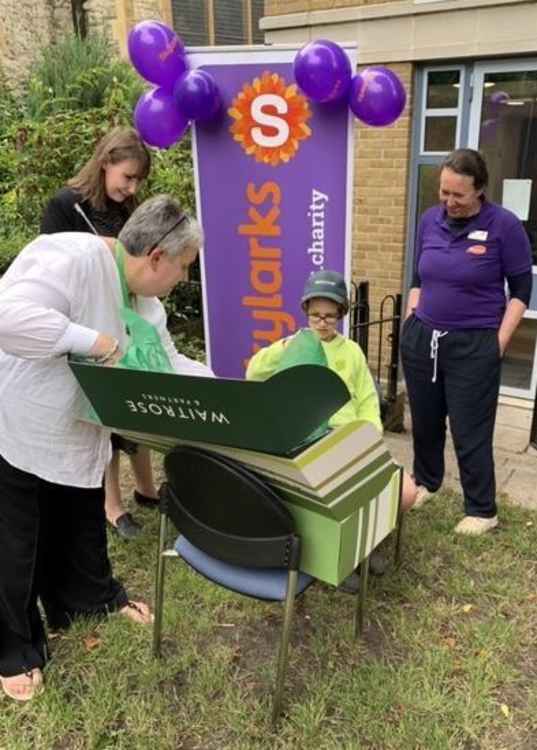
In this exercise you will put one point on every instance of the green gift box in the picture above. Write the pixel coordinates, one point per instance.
(342, 490)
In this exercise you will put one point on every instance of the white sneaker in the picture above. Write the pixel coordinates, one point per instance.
(475, 526)
(422, 495)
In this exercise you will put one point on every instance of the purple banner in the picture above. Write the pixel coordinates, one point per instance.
(273, 180)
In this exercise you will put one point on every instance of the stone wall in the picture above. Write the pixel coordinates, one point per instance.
(29, 25)
(26, 27)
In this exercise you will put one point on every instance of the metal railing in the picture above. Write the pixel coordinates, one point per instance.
(533, 429)
(388, 322)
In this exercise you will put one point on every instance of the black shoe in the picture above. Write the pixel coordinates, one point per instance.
(350, 584)
(127, 527)
(145, 501)
(377, 563)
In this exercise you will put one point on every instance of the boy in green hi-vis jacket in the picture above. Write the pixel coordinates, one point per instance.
(325, 301)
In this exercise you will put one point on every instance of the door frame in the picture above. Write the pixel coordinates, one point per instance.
(473, 74)
(478, 75)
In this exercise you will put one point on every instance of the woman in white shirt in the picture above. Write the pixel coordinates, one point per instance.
(62, 296)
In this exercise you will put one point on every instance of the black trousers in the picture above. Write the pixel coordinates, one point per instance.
(466, 390)
(52, 547)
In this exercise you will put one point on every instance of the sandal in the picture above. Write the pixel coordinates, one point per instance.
(126, 527)
(137, 612)
(23, 690)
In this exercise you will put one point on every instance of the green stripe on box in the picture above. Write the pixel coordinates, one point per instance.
(290, 464)
(364, 513)
(375, 520)
(357, 492)
(321, 544)
(308, 491)
(297, 498)
(360, 476)
(360, 493)
(325, 444)
(350, 542)
(396, 489)
(355, 460)
(335, 493)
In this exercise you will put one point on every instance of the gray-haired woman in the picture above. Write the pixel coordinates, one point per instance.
(62, 296)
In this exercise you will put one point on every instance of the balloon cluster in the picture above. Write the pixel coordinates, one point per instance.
(163, 114)
(323, 71)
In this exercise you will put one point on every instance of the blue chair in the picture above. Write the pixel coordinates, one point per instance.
(235, 531)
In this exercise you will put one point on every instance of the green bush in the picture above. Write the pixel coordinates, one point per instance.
(75, 74)
(76, 92)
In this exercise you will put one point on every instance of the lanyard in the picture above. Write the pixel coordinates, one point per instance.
(119, 253)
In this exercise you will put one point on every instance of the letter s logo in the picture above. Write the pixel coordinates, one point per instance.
(272, 121)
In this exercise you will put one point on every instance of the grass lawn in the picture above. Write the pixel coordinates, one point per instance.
(448, 659)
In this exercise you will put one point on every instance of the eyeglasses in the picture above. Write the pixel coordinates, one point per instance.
(328, 319)
(178, 223)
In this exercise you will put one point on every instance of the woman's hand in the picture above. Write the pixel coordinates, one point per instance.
(105, 350)
(502, 344)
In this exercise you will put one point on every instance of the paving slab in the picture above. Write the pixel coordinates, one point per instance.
(516, 461)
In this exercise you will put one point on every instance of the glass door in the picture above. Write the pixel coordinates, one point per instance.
(503, 126)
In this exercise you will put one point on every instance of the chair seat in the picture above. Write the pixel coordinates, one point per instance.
(261, 583)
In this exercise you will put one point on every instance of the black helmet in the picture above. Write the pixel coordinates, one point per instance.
(327, 284)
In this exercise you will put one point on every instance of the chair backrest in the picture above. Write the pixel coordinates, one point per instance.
(227, 511)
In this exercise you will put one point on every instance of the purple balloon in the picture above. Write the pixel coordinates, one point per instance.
(158, 120)
(499, 97)
(323, 71)
(157, 53)
(377, 96)
(496, 102)
(197, 95)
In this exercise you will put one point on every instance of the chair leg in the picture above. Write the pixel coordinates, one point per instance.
(359, 613)
(159, 585)
(284, 643)
(400, 517)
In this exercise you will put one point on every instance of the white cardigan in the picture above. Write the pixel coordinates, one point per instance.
(58, 294)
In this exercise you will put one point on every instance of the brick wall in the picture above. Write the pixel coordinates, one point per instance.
(115, 19)
(381, 173)
(280, 7)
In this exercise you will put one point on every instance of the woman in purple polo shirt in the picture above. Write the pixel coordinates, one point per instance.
(457, 328)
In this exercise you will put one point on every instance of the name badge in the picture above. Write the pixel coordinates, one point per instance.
(479, 235)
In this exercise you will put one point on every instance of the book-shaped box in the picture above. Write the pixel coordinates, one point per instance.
(276, 416)
(342, 490)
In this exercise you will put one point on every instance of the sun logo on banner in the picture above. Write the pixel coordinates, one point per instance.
(270, 119)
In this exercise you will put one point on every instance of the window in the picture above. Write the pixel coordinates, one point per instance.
(258, 11)
(218, 22)
(442, 97)
(508, 137)
(229, 22)
(191, 22)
